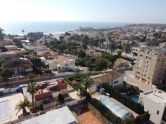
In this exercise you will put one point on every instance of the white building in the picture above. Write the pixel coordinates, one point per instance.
(61, 63)
(162, 45)
(113, 78)
(41, 51)
(11, 47)
(155, 103)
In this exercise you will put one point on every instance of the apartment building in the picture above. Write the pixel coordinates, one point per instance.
(150, 66)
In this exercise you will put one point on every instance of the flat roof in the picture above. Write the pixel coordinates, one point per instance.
(59, 116)
(115, 108)
(156, 95)
(5, 110)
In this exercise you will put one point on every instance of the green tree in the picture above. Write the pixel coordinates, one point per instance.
(112, 45)
(6, 73)
(23, 31)
(81, 54)
(60, 98)
(87, 83)
(126, 47)
(100, 64)
(22, 106)
(1, 33)
(32, 88)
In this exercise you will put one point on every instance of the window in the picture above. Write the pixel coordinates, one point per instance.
(115, 82)
(158, 112)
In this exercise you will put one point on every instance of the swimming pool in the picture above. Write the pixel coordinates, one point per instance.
(135, 99)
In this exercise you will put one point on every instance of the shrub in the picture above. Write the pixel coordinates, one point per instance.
(60, 98)
(142, 118)
(105, 111)
(136, 107)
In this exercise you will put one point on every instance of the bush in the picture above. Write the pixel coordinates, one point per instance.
(136, 107)
(142, 118)
(47, 71)
(115, 93)
(60, 98)
(105, 111)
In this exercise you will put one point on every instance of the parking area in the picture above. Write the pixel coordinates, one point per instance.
(7, 107)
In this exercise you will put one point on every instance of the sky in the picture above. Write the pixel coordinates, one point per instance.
(125, 11)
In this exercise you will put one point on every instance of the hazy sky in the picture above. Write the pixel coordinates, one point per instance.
(131, 11)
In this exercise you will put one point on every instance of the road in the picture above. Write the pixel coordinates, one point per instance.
(59, 75)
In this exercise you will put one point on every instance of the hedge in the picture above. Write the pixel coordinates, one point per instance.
(136, 107)
(105, 111)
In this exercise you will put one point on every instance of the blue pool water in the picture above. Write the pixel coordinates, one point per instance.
(135, 99)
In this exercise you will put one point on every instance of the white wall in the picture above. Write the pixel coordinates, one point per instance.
(152, 106)
(52, 66)
(119, 81)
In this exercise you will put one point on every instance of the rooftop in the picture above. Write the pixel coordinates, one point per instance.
(13, 52)
(156, 95)
(112, 75)
(59, 116)
(153, 50)
(7, 107)
(115, 108)
(62, 59)
(121, 61)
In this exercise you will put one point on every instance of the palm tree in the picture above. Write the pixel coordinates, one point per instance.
(1, 30)
(32, 88)
(1, 33)
(22, 106)
(23, 31)
(87, 82)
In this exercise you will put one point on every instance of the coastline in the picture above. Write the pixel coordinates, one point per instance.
(53, 27)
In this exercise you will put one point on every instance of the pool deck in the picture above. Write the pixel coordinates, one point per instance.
(13, 100)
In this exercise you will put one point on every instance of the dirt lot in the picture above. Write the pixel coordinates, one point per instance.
(89, 118)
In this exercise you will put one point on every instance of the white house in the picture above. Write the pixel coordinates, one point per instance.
(162, 45)
(113, 78)
(41, 51)
(61, 63)
(155, 103)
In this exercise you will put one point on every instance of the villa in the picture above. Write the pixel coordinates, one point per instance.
(14, 63)
(61, 63)
(113, 78)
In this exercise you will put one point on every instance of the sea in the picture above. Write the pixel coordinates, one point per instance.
(52, 27)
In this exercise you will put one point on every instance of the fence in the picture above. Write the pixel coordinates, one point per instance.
(98, 114)
(25, 79)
